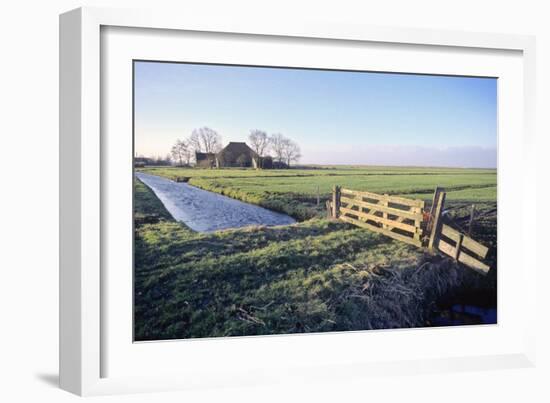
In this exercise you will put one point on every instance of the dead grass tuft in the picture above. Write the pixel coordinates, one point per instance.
(394, 297)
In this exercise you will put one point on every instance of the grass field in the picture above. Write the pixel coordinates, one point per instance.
(316, 275)
(294, 191)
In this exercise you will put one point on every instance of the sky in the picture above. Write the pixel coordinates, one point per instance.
(336, 117)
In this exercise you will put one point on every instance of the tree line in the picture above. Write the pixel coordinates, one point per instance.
(203, 140)
(207, 140)
(284, 149)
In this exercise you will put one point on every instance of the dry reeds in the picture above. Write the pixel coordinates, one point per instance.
(396, 297)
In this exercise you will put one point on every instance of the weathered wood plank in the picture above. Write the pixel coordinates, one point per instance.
(463, 257)
(383, 231)
(406, 202)
(434, 235)
(400, 219)
(378, 207)
(467, 242)
(336, 196)
(435, 198)
(381, 220)
(392, 199)
(360, 194)
(384, 214)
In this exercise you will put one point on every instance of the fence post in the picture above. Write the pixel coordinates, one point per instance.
(437, 191)
(335, 201)
(471, 224)
(458, 246)
(318, 198)
(385, 214)
(417, 223)
(436, 220)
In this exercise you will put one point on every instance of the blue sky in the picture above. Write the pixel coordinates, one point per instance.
(336, 117)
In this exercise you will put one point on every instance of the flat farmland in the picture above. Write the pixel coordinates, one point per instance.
(294, 191)
(315, 275)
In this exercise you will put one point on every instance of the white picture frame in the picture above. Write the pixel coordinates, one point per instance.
(85, 343)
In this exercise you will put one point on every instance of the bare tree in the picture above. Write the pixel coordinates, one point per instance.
(277, 145)
(205, 140)
(259, 140)
(181, 152)
(194, 141)
(291, 151)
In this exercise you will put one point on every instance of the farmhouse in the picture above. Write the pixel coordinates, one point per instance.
(205, 160)
(140, 162)
(237, 154)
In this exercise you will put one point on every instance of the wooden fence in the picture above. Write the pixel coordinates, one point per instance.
(451, 241)
(393, 216)
(407, 221)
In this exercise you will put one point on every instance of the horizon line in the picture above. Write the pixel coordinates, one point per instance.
(313, 164)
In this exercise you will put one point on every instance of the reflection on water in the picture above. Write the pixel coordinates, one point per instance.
(461, 314)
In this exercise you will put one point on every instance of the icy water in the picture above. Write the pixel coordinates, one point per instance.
(462, 314)
(205, 211)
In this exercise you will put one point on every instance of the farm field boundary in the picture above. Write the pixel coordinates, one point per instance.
(407, 220)
(397, 217)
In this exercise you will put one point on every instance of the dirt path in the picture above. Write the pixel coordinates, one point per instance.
(205, 211)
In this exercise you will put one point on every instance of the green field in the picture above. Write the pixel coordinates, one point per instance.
(294, 191)
(316, 275)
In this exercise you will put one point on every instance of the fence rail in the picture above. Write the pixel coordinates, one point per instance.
(393, 216)
(466, 242)
(407, 221)
(458, 253)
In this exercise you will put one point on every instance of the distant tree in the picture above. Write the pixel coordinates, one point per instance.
(259, 142)
(205, 140)
(291, 151)
(181, 152)
(277, 145)
(194, 142)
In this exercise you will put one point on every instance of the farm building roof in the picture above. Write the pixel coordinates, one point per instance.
(204, 156)
(236, 148)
